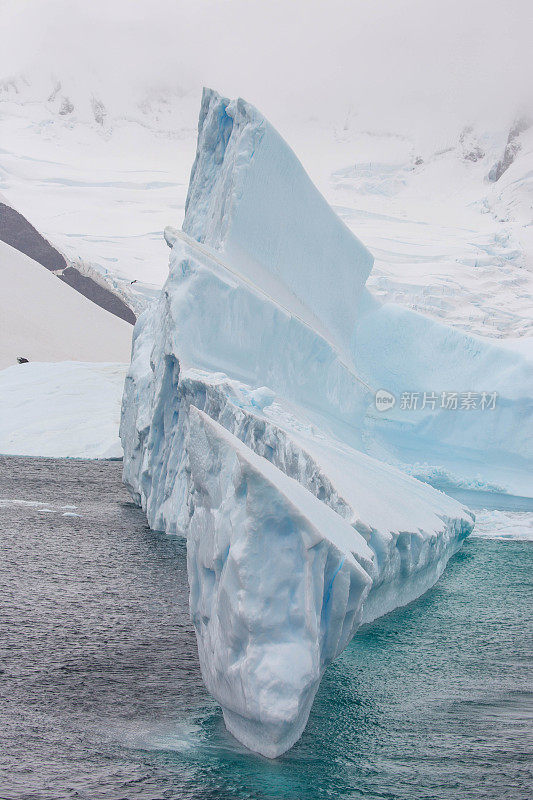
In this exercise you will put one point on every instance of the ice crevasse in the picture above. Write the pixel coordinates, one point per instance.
(242, 427)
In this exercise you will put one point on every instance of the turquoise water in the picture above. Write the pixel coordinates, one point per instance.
(102, 698)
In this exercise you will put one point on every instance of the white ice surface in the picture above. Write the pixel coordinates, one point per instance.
(62, 410)
(101, 193)
(66, 401)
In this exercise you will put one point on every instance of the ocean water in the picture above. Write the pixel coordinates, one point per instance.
(101, 696)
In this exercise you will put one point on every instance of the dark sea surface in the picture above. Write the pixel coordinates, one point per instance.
(102, 698)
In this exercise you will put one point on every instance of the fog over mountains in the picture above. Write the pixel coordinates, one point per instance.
(299, 60)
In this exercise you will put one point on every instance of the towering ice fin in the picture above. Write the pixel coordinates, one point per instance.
(250, 198)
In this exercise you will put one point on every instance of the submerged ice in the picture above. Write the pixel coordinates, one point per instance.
(246, 420)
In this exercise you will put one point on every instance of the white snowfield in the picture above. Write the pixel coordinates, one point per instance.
(244, 420)
(61, 410)
(66, 401)
(44, 319)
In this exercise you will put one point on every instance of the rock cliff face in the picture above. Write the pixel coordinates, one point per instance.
(16, 231)
(512, 148)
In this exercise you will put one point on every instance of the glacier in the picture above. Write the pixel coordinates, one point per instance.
(248, 427)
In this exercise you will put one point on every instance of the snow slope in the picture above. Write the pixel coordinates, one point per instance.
(446, 241)
(44, 319)
(62, 410)
(243, 416)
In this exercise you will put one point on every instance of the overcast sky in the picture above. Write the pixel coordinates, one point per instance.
(388, 59)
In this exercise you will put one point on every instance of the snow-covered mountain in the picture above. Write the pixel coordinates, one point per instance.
(448, 240)
(100, 191)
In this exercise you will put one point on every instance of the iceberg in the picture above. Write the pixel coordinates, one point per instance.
(244, 426)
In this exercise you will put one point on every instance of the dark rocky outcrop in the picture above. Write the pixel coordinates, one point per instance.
(470, 147)
(20, 234)
(16, 231)
(98, 294)
(512, 148)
